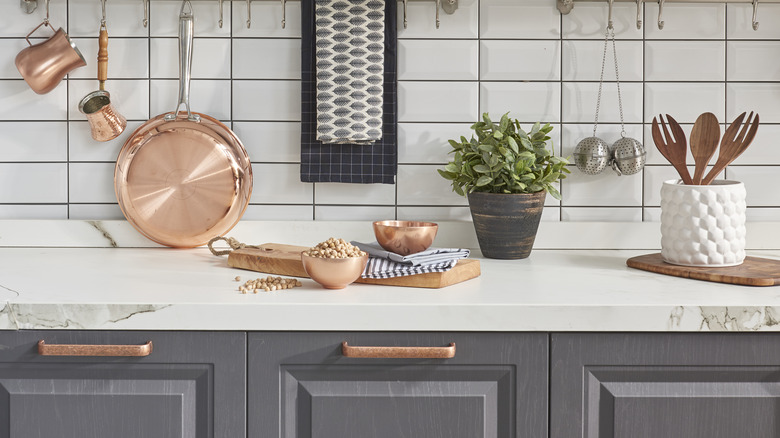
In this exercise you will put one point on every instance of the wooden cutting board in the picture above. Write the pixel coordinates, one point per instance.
(281, 259)
(755, 271)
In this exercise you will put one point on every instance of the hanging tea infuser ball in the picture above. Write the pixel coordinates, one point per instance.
(592, 155)
(628, 156)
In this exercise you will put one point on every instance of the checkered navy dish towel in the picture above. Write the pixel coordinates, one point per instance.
(376, 162)
(383, 268)
(350, 36)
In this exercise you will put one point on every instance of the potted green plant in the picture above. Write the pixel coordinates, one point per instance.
(506, 174)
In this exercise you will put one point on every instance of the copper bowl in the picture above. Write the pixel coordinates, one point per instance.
(334, 273)
(405, 237)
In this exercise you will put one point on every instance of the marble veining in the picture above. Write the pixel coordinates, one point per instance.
(725, 318)
(77, 316)
(99, 226)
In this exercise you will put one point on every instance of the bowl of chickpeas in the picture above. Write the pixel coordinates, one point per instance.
(334, 263)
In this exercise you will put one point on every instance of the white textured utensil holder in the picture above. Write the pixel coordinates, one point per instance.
(703, 225)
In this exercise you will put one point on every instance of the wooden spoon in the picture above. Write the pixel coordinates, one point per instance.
(705, 137)
(673, 148)
(732, 144)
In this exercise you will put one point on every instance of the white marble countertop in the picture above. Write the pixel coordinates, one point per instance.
(553, 290)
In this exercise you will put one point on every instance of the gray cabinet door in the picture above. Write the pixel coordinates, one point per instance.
(300, 386)
(665, 385)
(192, 385)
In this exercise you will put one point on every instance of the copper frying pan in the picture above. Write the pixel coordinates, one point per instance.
(183, 178)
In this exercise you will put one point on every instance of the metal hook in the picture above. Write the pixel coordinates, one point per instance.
(660, 14)
(406, 22)
(755, 13)
(609, 17)
(284, 13)
(438, 5)
(103, 20)
(248, 14)
(638, 14)
(46, 20)
(146, 13)
(220, 14)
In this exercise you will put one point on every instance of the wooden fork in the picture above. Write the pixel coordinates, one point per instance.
(674, 149)
(732, 144)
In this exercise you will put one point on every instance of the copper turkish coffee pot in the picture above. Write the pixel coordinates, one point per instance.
(44, 65)
(105, 123)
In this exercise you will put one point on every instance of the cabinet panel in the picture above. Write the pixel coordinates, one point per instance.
(302, 387)
(664, 385)
(192, 385)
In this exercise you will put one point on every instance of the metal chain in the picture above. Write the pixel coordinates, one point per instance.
(617, 82)
(601, 80)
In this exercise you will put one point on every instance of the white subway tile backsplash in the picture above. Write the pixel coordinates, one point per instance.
(91, 182)
(15, 23)
(210, 58)
(438, 101)
(429, 142)
(31, 183)
(579, 102)
(764, 148)
(341, 193)
(582, 60)
(279, 213)
(762, 214)
(514, 19)
(270, 142)
(654, 180)
(267, 100)
(686, 21)
(685, 61)
(464, 23)
(761, 98)
(19, 102)
(456, 60)
(589, 20)
(748, 61)
(266, 20)
(9, 48)
(422, 185)
(124, 18)
(434, 213)
(34, 141)
(602, 190)
(127, 58)
(353, 213)
(739, 19)
(278, 58)
(211, 97)
(684, 101)
(280, 184)
(84, 148)
(33, 211)
(95, 212)
(528, 102)
(129, 97)
(518, 60)
(588, 214)
(551, 214)
(757, 179)
(652, 214)
(164, 19)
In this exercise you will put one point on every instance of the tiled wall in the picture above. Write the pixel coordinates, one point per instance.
(491, 55)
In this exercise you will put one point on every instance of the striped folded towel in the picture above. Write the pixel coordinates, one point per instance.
(386, 264)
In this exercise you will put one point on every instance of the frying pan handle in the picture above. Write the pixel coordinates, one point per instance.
(186, 24)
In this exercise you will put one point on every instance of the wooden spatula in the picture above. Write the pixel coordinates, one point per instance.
(732, 144)
(673, 147)
(705, 137)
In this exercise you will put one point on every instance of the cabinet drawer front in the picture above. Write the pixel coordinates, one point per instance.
(664, 385)
(302, 385)
(189, 385)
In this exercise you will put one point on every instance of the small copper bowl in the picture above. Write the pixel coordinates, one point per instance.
(405, 237)
(334, 273)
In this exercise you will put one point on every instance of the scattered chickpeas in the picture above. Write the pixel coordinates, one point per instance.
(269, 284)
(334, 249)
(237, 279)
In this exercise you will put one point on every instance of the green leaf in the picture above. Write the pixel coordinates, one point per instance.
(483, 181)
(554, 192)
(481, 168)
(458, 190)
(498, 135)
(447, 175)
(451, 167)
(535, 129)
(513, 144)
(486, 118)
(504, 122)
(487, 148)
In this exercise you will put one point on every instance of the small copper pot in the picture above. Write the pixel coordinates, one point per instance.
(105, 122)
(43, 65)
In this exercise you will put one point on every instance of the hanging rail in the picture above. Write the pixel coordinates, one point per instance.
(448, 6)
(565, 6)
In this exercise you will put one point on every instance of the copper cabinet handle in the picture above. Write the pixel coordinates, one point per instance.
(45, 349)
(399, 352)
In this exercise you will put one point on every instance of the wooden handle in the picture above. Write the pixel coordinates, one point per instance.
(94, 350)
(102, 57)
(399, 352)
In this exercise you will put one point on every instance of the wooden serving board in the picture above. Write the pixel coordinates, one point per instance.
(281, 259)
(755, 271)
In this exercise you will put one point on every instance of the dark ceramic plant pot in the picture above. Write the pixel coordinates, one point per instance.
(506, 224)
